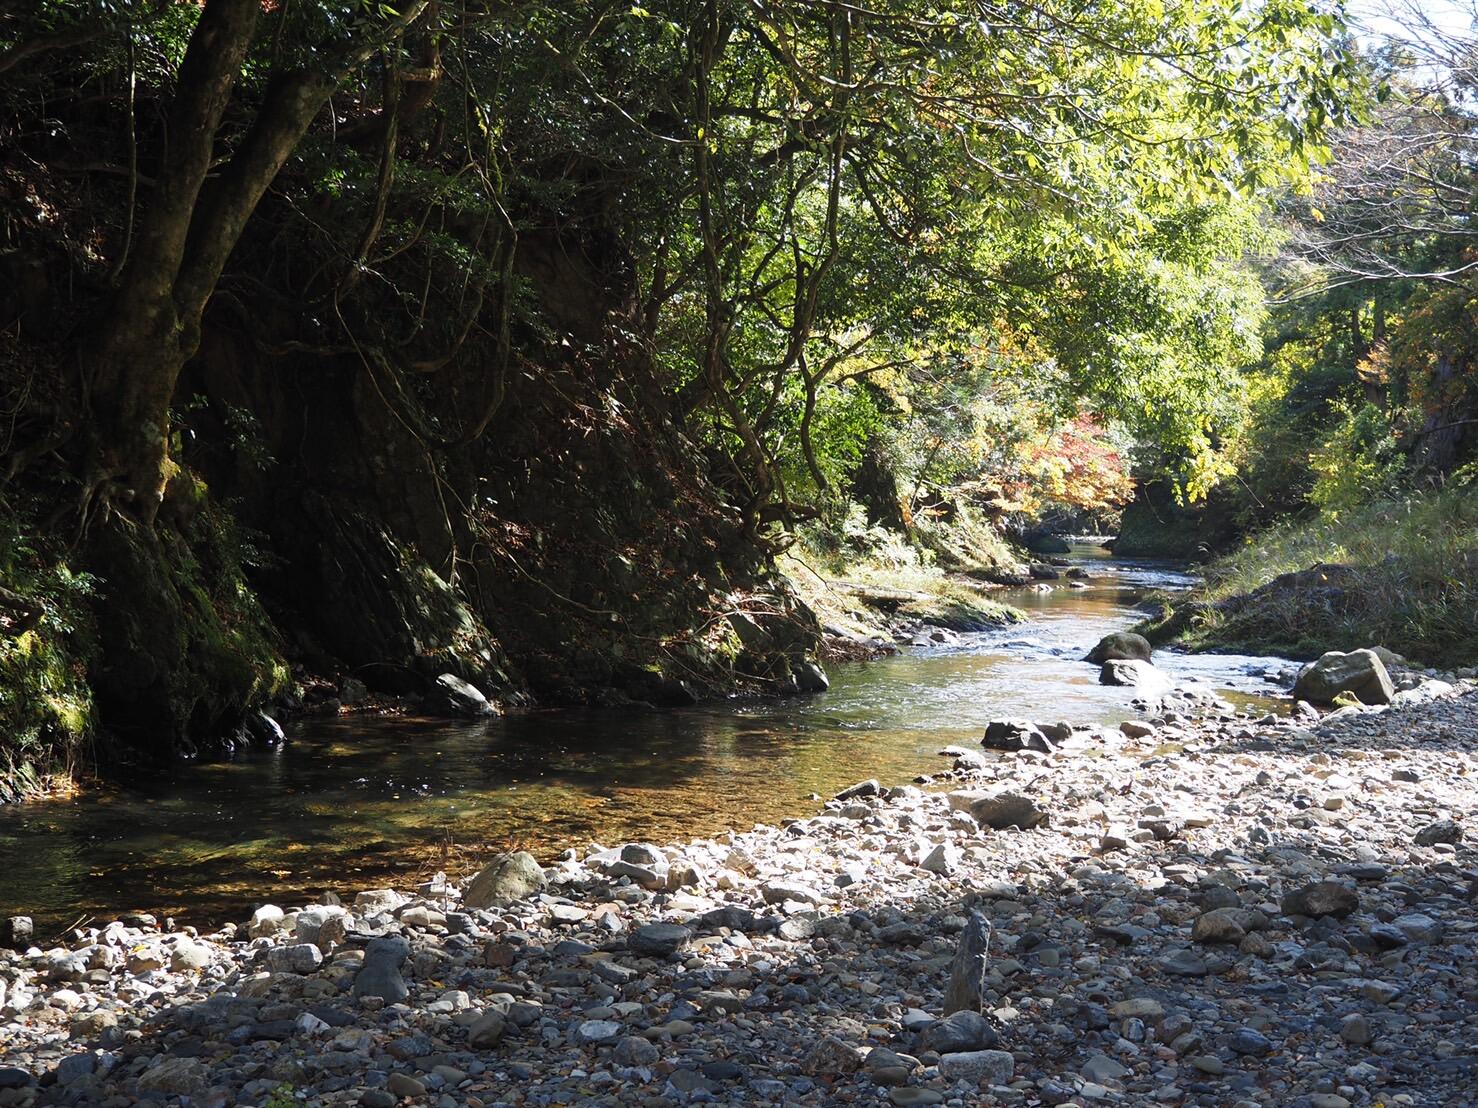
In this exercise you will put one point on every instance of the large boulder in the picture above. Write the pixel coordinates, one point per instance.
(1048, 544)
(1360, 673)
(452, 697)
(1014, 735)
(1134, 674)
(1121, 646)
(510, 877)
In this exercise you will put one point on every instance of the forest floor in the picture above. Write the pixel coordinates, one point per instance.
(1214, 910)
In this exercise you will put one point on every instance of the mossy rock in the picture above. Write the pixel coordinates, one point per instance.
(185, 649)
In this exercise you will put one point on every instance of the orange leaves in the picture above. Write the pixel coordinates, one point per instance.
(1072, 464)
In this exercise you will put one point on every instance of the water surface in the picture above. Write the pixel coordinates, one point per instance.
(354, 801)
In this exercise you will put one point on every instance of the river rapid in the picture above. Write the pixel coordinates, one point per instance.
(355, 801)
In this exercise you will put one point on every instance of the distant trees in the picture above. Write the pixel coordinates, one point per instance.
(860, 192)
(1373, 354)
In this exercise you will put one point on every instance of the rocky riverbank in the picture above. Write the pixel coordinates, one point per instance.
(1196, 908)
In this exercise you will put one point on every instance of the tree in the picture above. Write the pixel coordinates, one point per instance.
(871, 186)
(762, 222)
(195, 215)
(1379, 268)
(1396, 202)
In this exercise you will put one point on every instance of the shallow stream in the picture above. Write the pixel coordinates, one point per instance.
(351, 802)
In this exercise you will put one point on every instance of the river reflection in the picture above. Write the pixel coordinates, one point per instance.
(353, 801)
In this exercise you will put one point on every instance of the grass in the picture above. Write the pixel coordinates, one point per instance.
(1400, 573)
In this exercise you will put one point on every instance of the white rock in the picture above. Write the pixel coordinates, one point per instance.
(597, 1031)
(266, 921)
(944, 859)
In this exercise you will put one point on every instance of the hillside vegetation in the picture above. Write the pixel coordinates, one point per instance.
(1355, 460)
(1398, 573)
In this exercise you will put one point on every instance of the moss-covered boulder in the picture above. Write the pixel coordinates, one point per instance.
(184, 647)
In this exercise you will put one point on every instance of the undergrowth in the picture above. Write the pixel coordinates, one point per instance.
(1398, 572)
(46, 638)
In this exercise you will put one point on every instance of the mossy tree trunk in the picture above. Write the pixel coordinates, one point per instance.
(184, 645)
(187, 235)
(148, 335)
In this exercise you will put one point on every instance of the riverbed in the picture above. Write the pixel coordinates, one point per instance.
(353, 801)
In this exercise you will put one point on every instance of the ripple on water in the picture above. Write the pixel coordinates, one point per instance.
(351, 802)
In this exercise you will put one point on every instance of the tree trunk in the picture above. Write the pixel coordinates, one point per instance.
(139, 353)
(189, 232)
(1446, 421)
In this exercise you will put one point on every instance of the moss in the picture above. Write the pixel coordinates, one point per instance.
(47, 717)
(959, 607)
(861, 595)
(187, 649)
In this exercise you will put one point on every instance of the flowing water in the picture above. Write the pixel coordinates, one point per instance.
(354, 801)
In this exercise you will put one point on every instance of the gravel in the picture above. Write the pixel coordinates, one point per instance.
(1208, 910)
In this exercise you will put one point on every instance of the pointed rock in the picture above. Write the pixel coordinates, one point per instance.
(967, 973)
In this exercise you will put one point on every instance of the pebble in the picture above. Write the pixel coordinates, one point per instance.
(991, 1067)
(1244, 945)
(404, 1085)
(911, 1096)
(1250, 1041)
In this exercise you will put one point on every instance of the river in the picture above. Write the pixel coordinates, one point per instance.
(352, 802)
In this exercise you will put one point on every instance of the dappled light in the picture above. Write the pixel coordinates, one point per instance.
(476, 478)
